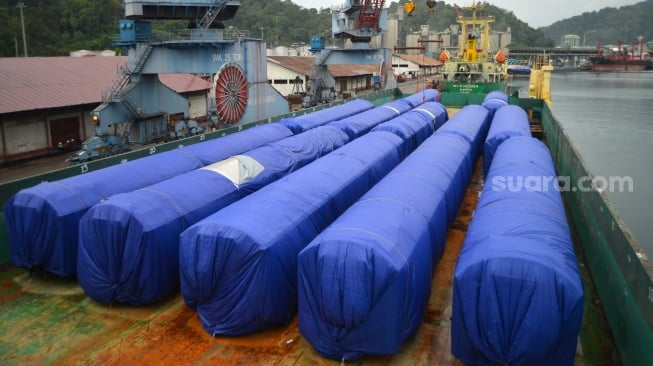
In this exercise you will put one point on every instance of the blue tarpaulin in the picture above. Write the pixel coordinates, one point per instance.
(365, 281)
(426, 95)
(239, 266)
(360, 124)
(495, 100)
(305, 122)
(416, 125)
(518, 296)
(42, 221)
(508, 121)
(129, 243)
(465, 123)
(212, 151)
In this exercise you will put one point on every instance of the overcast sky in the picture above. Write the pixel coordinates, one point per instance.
(535, 13)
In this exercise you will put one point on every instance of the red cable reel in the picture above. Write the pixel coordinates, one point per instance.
(230, 93)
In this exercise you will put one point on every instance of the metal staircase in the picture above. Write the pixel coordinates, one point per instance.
(211, 14)
(370, 13)
(116, 93)
(143, 54)
(322, 56)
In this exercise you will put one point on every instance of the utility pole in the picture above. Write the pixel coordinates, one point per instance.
(20, 6)
(585, 35)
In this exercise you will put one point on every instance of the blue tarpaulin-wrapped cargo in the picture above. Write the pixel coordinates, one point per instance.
(508, 121)
(362, 123)
(212, 151)
(416, 125)
(495, 100)
(436, 111)
(426, 95)
(129, 243)
(465, 123)
(42, 221)
(365, 281)
(518, 296)
(239, 266)
(305, 122)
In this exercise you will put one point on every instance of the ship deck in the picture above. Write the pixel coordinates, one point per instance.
(49, 320)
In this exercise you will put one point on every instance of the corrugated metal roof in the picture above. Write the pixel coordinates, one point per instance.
(184, 83)
(304, 65)
(352, 70)
(299, 64)
(420, 60)
(52, 82)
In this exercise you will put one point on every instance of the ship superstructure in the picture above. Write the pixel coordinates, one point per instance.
(476, 68)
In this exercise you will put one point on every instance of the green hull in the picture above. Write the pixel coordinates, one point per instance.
(622, 279)
(63, 320)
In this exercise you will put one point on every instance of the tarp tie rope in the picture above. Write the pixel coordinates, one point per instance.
(172, 200)
(71, 192)
(392, 108)
(425, 111)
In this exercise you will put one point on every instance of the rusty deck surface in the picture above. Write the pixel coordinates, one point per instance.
(46, 320)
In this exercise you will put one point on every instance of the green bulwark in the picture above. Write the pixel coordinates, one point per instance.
(620, 272)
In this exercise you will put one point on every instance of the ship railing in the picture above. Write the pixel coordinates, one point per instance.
(541, 61)
(350, 46)
(210, 35)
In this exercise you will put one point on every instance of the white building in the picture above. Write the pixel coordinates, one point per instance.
(413, 66)
(291, 75)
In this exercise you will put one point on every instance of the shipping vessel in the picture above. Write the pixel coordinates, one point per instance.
(49, 319)
(475, 68)
(635, 58)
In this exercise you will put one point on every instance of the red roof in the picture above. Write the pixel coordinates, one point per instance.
(184, 83)
(50, 82)
(338, 71)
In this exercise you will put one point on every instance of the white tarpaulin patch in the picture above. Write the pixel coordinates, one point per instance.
(238, 169)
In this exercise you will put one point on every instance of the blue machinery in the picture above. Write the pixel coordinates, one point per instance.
(139, 106)
(357, 21)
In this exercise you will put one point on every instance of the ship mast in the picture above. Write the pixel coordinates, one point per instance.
(472, 28)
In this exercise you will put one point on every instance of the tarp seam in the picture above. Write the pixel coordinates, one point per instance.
(192, 155)
(377, 236)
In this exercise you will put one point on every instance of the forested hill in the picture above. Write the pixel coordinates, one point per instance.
(611, 25)
(54, 28)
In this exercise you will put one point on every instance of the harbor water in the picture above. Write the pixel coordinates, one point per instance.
(608, 116)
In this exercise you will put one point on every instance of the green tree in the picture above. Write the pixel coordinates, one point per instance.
(57, 27)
